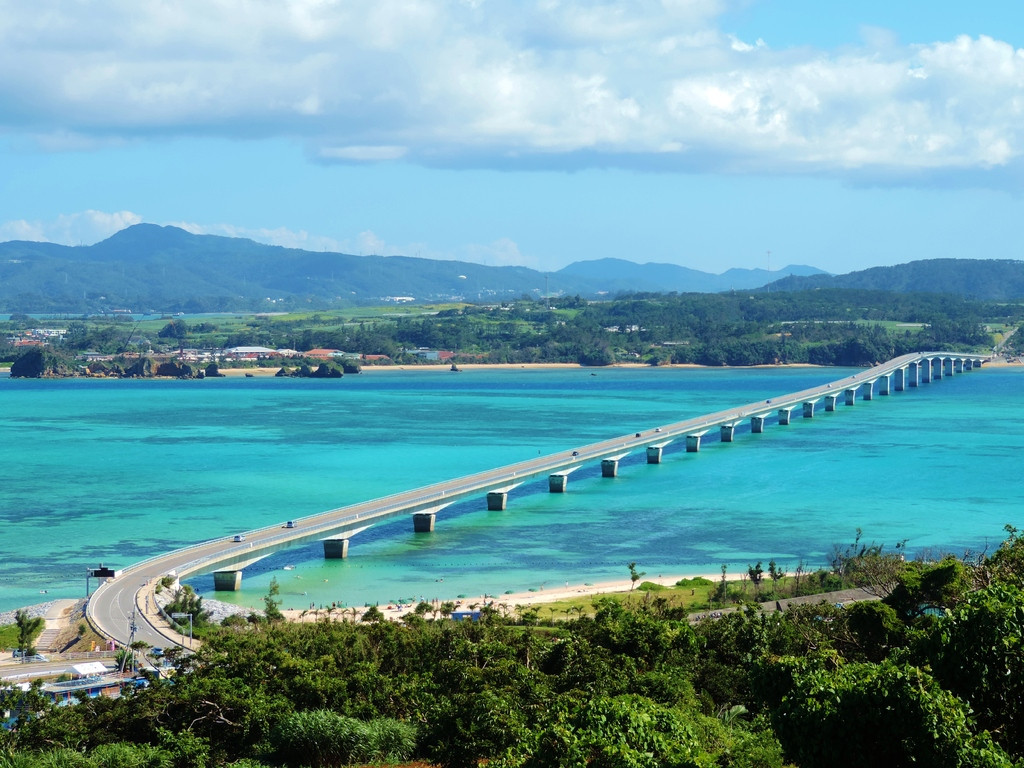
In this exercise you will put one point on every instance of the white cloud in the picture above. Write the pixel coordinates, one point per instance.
(286, 238)
(548, 83)
(501, 253)
(84, 228)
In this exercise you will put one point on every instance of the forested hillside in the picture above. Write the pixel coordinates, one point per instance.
(147, 268)
(151, 269)
(998, 280)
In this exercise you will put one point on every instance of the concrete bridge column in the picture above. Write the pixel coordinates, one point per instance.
(885, 384)
(654, 454)
(901, 379)
(830, 402)
(557, 483)
(227, 581)
(809, 409)
(968, 364)
(958, 365)
(784, 415)
(693, 443)
(949, 366)
(926, 371)
(726, 432)
(609, 467)
(757, 424)
(335, 549)
(496, 500)
(423, 522)
(851, 396)
(869, 390)
(914, 374)
(937, 368)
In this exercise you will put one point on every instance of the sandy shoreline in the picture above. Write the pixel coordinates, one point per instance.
(446, 368)
(538, 597)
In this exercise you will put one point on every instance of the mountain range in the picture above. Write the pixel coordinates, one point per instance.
(167, 269)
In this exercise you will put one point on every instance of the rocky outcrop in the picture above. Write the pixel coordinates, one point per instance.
(175, 370)
(140, 369)
(38, 363)
(323, 371)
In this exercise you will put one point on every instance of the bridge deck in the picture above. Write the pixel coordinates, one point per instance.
(113, 602)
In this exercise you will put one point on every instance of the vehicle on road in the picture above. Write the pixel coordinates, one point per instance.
(239, 537)
(27, 657)
(290, 524)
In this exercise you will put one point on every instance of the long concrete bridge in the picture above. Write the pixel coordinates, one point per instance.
(127, 598)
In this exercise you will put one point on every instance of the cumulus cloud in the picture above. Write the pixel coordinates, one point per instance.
(543, 83)
(84, 228)
(286, 238)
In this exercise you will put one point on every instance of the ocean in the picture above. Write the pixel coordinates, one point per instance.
(115, 471)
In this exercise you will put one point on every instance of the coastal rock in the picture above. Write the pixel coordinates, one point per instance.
(212, 371)
(100, 368)
(175, 370)
(324, 371)
(141, 368)
(39, 362)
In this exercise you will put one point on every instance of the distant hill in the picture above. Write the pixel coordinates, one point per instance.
(992, 279)
(619, 275)
(166, 269)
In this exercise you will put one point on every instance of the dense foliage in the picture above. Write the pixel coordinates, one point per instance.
(631, 686)
(825, 327)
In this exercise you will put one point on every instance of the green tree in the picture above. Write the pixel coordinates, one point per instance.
(977, 652)
(634, 575)
(895, 712)
(28, 628)
(610, 732)
(272, 602)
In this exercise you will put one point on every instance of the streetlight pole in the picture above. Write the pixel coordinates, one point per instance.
(182, 616)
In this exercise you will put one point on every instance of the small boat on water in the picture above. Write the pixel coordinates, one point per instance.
(289, 567)
(455, 368)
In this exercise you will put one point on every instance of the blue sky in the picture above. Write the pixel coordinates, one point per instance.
(705, 133)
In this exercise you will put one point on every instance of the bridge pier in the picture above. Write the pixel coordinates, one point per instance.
(693, 443)
(335, 549)
(830, 402)
(926, 371)
(809, 409)
(757, 424)
(654, 454)
(869, 390)
(885, 384)
(901, 379)
(227, 581)
(949, 366)
(557, 483)
(423, 522)
(609, 467)
(496, 500)
(784, 415)
(851, 396)
(914, 371)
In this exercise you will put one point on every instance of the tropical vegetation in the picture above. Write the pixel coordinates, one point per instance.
(932, 673)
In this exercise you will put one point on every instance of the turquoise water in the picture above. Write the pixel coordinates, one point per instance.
(117, 471)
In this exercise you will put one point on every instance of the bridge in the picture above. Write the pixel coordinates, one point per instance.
(124, 606)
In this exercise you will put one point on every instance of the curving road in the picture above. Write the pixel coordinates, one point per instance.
(129, 597)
